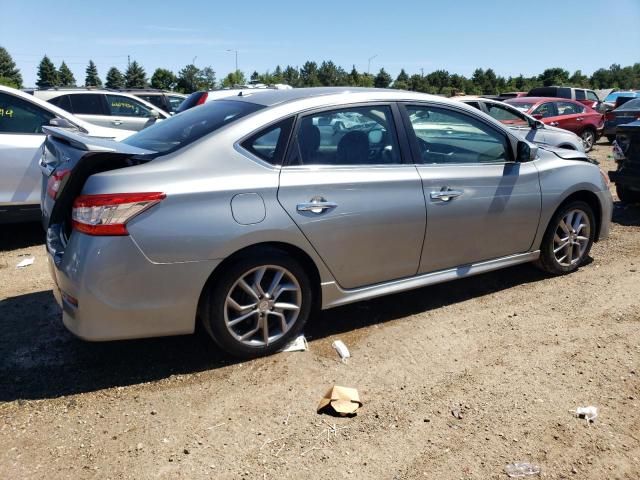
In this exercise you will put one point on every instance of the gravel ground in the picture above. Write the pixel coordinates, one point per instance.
(457, 381)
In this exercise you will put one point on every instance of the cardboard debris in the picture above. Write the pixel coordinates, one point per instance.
(340, 400)
(342, 350)
(298, 344)
(25, 262)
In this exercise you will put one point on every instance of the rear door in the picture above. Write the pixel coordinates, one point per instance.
(128, 113)
(570, 116)
(91, 108)
(481, 204)
(21, 139)
(349, 188)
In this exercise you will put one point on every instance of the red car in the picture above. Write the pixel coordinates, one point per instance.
(564, 113)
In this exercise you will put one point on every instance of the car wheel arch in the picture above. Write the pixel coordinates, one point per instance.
(590, 199)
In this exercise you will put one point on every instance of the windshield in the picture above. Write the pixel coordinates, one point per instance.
(187, 127)
(613, 96)
(630, 105)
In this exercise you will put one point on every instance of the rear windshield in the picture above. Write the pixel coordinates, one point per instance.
(187, 127)
(190, 101)
(630, 105)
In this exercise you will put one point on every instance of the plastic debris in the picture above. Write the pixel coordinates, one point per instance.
(342, 401)
(521, 470)
(25, 262)
(588, 413)
(342, 350)
(298, 344)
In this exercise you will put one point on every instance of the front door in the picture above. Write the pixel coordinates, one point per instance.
(127, 113)
(346, 187)
(481, 205)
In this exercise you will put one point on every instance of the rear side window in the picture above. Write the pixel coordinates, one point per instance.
(182, 130)
(63, 102)
(474, 105)
(87, 104)
(580, 94)
(126, 107)
(19, 116)
(269, 144)
(157, 100)
(563, 92)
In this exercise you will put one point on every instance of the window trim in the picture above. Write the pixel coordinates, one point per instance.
(401, 134)
(511, 140)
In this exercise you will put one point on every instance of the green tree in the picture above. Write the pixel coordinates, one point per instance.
(135, 76)
(402, 81)
(233, 79)
(65, 76)
(329, 74)
(207, 79)
(291, 76)
(188, 79)
(114, 79)
(367, 80)
(554, 76)
(382, 80)
(438, 81)
(92, 79)
(277, 75)
(578, 79)
(309, 75)
(163, 79)
(47, 74)
(9, 74)
(255, 76)
(353, 78)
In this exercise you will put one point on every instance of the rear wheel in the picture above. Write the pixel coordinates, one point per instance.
(258, 304)
(627, 196)
(588, 139)
(568, 239)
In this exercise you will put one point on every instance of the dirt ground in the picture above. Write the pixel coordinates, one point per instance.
(511, 353)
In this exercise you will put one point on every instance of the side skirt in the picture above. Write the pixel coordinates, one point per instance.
(334, 296)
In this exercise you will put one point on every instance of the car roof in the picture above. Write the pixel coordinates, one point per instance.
(269, 97)
(540, 99)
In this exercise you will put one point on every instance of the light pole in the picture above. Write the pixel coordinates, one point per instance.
(193, 61)
(369, 63)
(236, 52)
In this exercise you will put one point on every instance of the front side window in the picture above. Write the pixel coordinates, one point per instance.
(156, 100)
(449, 137)
(120, 106)
(20, 116)
(269, 144)
(545, 110)
(87, 104)
(567, 108)
(591, 95)
(507, 115)
(350, 136)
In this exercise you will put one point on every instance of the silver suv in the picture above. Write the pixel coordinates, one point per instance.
(247, 213)
(105, 108)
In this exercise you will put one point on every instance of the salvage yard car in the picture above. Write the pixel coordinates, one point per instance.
(626, 113)
(626, 153)
(567, 114)
(244, 215)
(21, 120)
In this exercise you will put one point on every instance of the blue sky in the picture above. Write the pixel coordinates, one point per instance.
(509, 36)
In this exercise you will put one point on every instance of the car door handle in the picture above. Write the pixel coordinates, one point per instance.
(316, 206)
(579, 119)
(116, 122)
(554, 124)
(445, 194)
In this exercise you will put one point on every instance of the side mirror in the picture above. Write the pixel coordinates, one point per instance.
(537, 116)
(525, 152)
(154, 114)
(538, 124)
(62, 123)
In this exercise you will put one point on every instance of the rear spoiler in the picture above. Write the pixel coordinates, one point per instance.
(92, 144)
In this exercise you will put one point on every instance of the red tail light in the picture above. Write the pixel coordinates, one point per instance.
(108, 214)
(55, 181)
(203, 98)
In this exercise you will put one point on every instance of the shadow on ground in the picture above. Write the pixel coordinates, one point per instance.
(39, 358)
(21, 235)
(625, 214)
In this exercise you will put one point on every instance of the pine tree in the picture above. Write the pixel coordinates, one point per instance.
(47, 74)
(135, 76)
(383, 79)
(92, 79)
(163, 79)
(9, 74)
(65, 76)
(115, 79)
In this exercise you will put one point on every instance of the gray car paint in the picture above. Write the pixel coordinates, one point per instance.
(148, 284)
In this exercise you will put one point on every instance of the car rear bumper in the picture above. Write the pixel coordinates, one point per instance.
(109, 290)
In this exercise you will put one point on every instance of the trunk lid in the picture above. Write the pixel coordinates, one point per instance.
(67, 160)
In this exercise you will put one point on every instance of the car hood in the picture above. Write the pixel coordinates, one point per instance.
(568, 154)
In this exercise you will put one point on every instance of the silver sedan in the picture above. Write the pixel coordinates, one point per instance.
(250, 212)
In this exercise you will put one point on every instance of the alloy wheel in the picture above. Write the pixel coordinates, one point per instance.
(262, 305)
(571, 238)
(588, 139)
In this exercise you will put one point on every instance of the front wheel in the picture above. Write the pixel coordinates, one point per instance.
(258, 304)
(588, 139)
(568, 239)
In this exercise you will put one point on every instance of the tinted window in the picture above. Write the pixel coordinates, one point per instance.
(19, 116)
(567, 108)
(580, 94)
(447, 136)
(63, 102)
(474, 105)
(269, 144)
(126, 107)
(191, 101)
(353, 136)
(506, 115)
(87, 104)
(591, 95)
(546, 110)
(181, 130)
(563, 92)
(156, 100)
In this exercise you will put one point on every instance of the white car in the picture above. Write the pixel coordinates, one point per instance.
(21, 119)
(104, 107)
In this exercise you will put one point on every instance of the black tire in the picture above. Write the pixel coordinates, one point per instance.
(611, 138)
(548, 261)
(588, 137)
(627, 196)
(212, 308)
